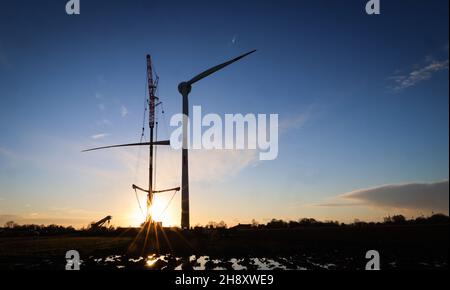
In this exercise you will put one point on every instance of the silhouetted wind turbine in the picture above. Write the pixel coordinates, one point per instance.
(185, 88)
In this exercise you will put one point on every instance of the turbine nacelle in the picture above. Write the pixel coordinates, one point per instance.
(184, 88)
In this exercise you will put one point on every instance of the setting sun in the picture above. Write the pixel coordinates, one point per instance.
(137, 217)
(158, 212)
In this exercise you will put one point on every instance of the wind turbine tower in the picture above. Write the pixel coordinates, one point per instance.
(185, 88)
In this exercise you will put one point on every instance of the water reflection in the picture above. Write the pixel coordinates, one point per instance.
(193, 262)
(204, 262)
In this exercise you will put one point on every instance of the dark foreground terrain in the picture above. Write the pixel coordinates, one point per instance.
(400, 247)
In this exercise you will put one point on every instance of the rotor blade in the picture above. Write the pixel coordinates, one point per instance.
(165, 142)
(216, 68)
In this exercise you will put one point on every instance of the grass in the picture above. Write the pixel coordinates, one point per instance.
(29, 250)
(405, 245)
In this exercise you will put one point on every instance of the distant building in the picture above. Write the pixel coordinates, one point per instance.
(241, 227)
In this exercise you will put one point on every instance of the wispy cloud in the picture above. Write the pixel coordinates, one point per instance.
(409, 196)
(405, 80)
(234, 39)
(204, 165)
(337, 203)
(216, 165)
(123, 111)
(101, 107)
(298, 120)
(104, 122)
(100, 136)
(9, 158)
(7, 153)
(101, 79)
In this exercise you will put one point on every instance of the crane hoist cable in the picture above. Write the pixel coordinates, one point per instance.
(139, 204)
(156, 151)
(173, 195)
(142, 137)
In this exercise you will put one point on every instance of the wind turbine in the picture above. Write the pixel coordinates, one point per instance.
(185, 88)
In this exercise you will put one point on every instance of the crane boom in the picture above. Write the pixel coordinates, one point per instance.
(101, 222)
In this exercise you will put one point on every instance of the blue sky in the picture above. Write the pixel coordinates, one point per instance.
(363, 103)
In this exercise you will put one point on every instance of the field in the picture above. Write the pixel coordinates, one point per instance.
(400, 247)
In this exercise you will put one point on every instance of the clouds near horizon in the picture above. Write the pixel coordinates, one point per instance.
(411, 196)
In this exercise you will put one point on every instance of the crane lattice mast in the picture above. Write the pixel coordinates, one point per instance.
(151, 124)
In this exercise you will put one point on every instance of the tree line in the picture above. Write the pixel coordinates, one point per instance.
(311, 222)
(13, 228)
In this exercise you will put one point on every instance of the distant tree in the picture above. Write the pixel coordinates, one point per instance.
(387, 220)
(211, 225)
(420, 220)
(331, 223)
(215, 225)
(255, 223)
(438, 218)
(398, 219)
(294, 224)
(198, 227)
(221, 225)
(307, 222)
(11, 225)
(276, 224)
